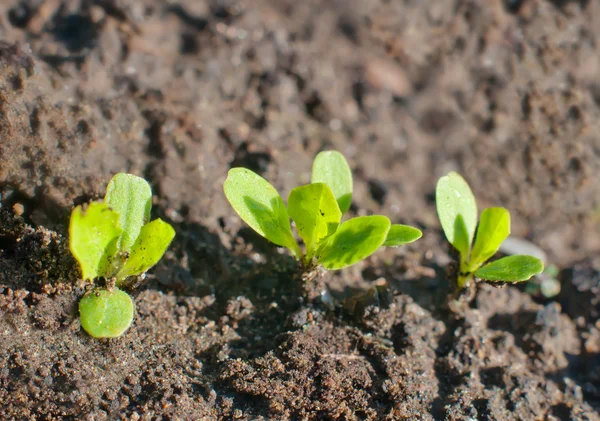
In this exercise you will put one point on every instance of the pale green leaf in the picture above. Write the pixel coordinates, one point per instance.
(457, 210)
(494, 227)
(106, 313)
(354, 240)
(131, 197)
(331, 168)
(402, 234)
(93, 236)
(148, 249)
(511, 269)
(259, 205)
(315, 212)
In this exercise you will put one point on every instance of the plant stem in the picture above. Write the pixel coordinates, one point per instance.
(464, 280)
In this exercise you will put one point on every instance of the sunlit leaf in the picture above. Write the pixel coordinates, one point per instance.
(457, 210)
(511, 269)
(259, 205)
(353, 241)
(93, 237)
(315, 212)
(331, 168)
(106, 313)
(494, 227)
(401, 234)
(131, 197)
(148, 249)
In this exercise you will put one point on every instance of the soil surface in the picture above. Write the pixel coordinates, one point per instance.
(179, 91)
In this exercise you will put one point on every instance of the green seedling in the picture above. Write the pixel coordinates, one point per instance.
(457, 210)
(114, 240)
(317, 209)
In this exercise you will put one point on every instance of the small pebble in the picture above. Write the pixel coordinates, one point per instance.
(18, 209)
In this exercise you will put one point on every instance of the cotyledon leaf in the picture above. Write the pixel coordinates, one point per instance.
(131, 197)
(511, 269)
(315, 212)
(354, 240)
(259, 205)
(331, 168)
(148, 249)
(457, 211)
(402, 234)
(494, 227)
(106, 313)
(93, 236)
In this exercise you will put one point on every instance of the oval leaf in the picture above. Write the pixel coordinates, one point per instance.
(148, 249)
(106, 313)
(93, 236)
(315, 212)
(511, 269)
(131, 197)
(402, 234)
(354, 240)
(331, 168)
(494, 227)
(457, 210)
(259, 205)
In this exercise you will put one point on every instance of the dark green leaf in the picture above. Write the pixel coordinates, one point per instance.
(511, 269)
(331, 168)
(353, 241)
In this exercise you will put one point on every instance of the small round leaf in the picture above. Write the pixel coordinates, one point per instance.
(106, 313)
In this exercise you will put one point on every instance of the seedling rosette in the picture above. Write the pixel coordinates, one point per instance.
(115, 240)
(457, 211)
(317, 210)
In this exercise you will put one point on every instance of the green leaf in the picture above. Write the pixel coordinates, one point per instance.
(259, 205)
(93, 236)
(131, 197)
(402, 234)
(457, 210)
(315, 212)
(354, 240)
(106, 313)
(511, 269)
(148, 249)
(331, 168)
(494, 227)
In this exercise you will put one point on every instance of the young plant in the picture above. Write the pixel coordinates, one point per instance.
(317, 209)
(114, 240)
(457, 210)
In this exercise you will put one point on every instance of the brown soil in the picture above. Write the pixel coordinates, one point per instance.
(506, 92)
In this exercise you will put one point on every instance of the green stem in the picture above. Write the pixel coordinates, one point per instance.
(465, 275)
(464, 280)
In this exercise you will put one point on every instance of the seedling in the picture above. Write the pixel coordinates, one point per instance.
(457, 210)
(317, 209)
(114, 240)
